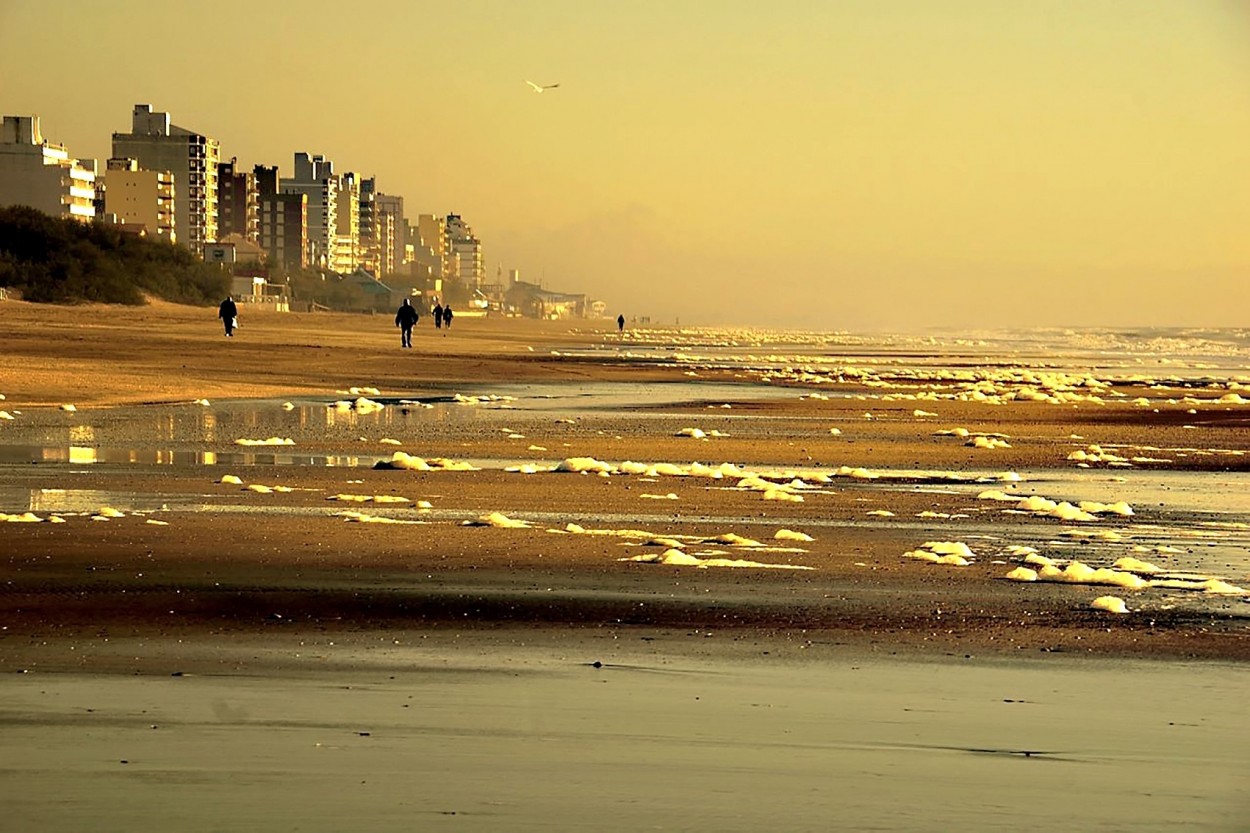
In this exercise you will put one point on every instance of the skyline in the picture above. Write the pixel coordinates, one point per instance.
(858, 166)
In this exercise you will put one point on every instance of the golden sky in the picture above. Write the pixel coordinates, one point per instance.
(864, 164)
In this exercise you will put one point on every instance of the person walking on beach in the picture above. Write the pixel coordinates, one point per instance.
(438, 316)
(406, 318)
(620, 323)
(228, 313)
(447, 316)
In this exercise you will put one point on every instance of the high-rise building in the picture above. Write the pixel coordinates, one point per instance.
(283, 220)
(314, 177)
(392, 207)
(42, 175)
(238, 204)
(142, 199)
(379, 217)
(347, 230)
(464, 253)
(158, 145)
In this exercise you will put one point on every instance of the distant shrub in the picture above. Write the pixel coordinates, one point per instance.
(62, 261)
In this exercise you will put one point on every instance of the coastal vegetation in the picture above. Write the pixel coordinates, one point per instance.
(63, 261)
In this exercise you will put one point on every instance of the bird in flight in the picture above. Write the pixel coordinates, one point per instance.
(538, 88)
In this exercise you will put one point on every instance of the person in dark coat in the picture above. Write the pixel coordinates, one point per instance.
(406, 318)
(620, 323)
(447, 316)
(228, 312)
(438, 316)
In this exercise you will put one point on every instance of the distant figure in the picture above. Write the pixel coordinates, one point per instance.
(438, 316)
(447, 316)
(228, 313)
(620, 323)
(406, 318)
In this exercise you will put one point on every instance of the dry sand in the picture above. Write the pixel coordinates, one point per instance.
(292, 604)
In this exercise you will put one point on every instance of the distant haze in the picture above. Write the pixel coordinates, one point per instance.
(850, 165)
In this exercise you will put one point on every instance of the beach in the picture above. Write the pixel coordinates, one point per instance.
(537, 575)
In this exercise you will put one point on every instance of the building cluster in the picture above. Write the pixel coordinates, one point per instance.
(170, 182)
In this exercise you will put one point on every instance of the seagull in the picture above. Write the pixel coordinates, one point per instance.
(538, 88)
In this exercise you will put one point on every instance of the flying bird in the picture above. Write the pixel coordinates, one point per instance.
(538, 88)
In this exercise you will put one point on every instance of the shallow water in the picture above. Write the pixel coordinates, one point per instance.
(528, 739)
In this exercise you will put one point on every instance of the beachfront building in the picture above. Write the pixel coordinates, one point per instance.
(347, 227)
(391, 210)
(282, 220)
(377, 229)
(238, 202)
(464, 254)
(140, 200)
(315, 179)
(158, 145)
(42, 175)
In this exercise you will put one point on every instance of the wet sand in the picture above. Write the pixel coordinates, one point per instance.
(726, 698)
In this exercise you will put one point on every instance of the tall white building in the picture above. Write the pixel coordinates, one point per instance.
(393, 231)
(42, 175)
(314, 178)
(464, 252)
(158, 145)
(347, 230)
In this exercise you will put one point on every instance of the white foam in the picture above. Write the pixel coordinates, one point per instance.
(498, 520)
(22, 518)
(231, 480)
(1111, 604)
(678, 558)
(669, 496)
(791, 535)
(69, 408)
(267, 441)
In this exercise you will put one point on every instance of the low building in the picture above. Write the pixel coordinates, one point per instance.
(42, 175)
(532, 301)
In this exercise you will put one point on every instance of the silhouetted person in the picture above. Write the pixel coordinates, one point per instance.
(228, 312)
(447, 316)
(438, 316)
(406, 318)
(620, 323)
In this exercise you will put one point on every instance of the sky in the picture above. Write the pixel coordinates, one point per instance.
(870, 165)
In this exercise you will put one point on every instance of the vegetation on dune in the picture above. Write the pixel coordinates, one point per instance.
(61, 261)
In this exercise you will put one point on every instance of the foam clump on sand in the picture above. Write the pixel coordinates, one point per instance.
(6, 415)
(881, 513)
(678, 558)
(1079, 573)
(389, 441)
(1021, 574)
(22, 518)
(349, 498)
(363, 518)
(792, 535)
(267, 441)
(1096, 454)
(231, 480)
(203, 402)
(110, 512)
(1096, 508)
(1111, 604)
(947, 553)
(669, 496)
(69, 408)
(987, 442)
(584, 465)
(409, 462)
(499, 521)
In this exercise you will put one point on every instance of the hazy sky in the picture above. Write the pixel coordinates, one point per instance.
(865, 164)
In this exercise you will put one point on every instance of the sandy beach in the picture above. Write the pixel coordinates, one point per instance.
(266, 565)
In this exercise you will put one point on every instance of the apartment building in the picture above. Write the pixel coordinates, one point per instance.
(42, 175)
(238, 202)
(390, 210)
(347, 255)
(141, 199)
(282, 220)
(463, 253)
(158, 145)
(315, 179)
